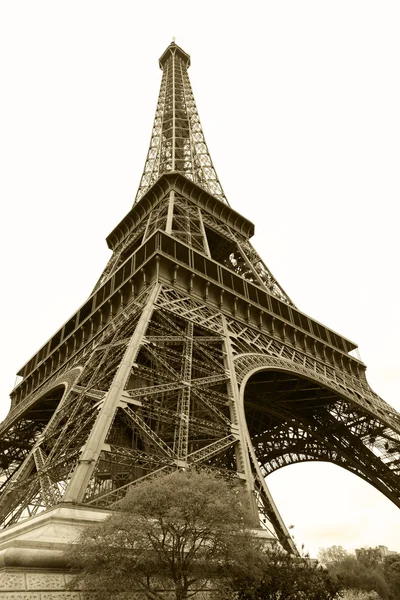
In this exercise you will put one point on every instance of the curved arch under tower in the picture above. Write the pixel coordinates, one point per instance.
(293, 416)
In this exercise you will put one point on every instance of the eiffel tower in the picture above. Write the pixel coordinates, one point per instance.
(187, 354)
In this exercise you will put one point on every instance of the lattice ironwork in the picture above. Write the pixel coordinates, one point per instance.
(188, 354)
(177, 140)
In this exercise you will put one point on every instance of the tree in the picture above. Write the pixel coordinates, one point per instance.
(177, 532)
(391, 569)
(362, 573)
(290, 578)
(333, 554)
(359, 595)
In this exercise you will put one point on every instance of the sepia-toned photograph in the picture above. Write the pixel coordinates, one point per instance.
(200, 382)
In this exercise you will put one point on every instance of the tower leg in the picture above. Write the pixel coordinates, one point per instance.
(90, 454)
(242, 456)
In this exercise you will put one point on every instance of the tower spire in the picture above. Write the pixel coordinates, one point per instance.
(177, 141)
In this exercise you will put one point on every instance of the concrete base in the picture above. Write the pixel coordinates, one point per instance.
(32, 566)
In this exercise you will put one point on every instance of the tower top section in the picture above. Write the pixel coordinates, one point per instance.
(177, 142)
(174, 49)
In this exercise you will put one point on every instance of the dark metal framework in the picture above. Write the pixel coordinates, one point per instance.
(188, 353)
(177, 140)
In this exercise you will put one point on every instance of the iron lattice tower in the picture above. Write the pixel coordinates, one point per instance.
(187, 353)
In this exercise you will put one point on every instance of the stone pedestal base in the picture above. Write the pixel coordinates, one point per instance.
(32, 566)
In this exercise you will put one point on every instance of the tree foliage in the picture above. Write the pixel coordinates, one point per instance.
(359, 595)
(354, 574)
(286, 577)
(391, 569)
(333, 554)
(367, 571)
(181, 532)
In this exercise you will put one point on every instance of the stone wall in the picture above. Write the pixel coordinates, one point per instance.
(35, 585)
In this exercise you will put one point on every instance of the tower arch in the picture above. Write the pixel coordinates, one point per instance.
(293, 415)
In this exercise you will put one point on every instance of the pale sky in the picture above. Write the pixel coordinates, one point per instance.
(299, 102)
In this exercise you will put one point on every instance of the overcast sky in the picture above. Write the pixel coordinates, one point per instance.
(299, 102)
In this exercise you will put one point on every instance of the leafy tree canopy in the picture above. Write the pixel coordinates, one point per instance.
(286, 577)
(359, 595)
(181, 532)
(330, 555)
(391, 569)
(367, 571)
